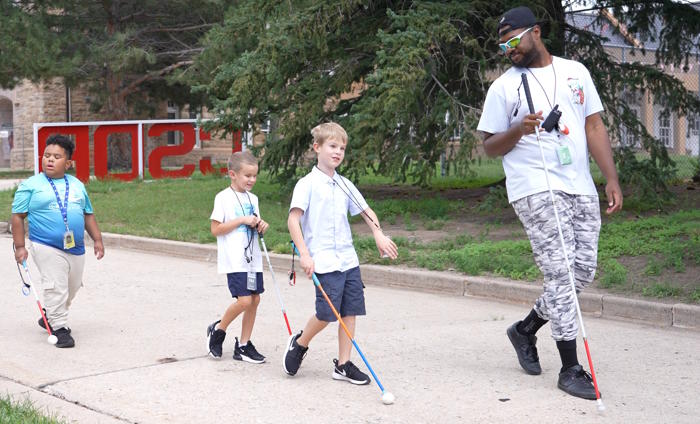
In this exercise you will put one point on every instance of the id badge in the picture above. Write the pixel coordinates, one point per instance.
(564, 155)
(252, 281)
(68, 240)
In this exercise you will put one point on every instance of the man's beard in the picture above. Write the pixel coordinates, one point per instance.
(526, 60)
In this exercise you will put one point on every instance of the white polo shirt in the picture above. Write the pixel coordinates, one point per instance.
(325, 202)
(229, 205)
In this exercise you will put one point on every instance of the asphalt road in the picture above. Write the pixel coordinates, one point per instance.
(140, 357)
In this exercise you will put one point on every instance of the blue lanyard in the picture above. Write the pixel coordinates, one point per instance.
(63, 207)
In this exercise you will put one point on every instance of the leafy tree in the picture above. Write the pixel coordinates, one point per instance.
(416, 70)
(125, 52)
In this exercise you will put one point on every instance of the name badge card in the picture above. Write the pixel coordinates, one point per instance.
(564, 155)
(68, 240)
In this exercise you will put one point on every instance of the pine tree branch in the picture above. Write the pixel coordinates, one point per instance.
(152, 75)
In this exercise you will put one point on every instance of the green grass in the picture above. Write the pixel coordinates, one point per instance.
(179, 209)
(662, 290)
(12, 412)
(614, 273)
(695, 295)
(13, 174)
(482, 171)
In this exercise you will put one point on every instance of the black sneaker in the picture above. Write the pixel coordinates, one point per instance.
(293, 355)
(577, 382)
(64, 337)
(349, 372)
(526, 350)
(41, 322)
(216, 338)
(247, 353)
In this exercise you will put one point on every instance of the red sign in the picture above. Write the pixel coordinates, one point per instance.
(81, 155)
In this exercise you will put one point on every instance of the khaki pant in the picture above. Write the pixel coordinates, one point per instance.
(61, 278)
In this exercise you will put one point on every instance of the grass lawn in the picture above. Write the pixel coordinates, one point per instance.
(452, 226)
(12, 412)
(12, 174)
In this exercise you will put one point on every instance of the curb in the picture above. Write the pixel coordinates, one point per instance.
(678, 315)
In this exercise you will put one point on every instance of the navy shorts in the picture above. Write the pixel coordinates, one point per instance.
(238, 282)
(346, 291)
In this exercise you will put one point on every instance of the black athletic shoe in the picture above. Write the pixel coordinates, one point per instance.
(64, 337)
(41, 322)
(215, 338)
(293, 355)
(349, 372)
(577, 382)
(247, 353)
(526, 350)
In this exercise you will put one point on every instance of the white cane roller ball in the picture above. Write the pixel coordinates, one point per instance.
(52, 339)
(387, 398)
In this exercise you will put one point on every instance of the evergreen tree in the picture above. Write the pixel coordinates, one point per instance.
(126, 52)
(404, 76)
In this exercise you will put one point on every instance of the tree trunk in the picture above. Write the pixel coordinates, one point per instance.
(119, 145)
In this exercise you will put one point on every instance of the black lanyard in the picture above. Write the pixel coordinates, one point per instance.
(63, 207)
(249, 231)
(349, 195)
(542, 87)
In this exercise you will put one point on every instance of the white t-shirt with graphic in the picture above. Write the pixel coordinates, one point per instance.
(566, 83)
(228, 205)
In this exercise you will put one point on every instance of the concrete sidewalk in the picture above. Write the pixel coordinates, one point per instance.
(10, 183)
(140, 356)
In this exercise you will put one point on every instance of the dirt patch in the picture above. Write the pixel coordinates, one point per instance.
(500, 223)
(455, 226)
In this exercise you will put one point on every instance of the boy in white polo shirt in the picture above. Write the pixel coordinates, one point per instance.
(318, 224)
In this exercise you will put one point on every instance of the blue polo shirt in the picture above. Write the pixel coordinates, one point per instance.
(36, 198)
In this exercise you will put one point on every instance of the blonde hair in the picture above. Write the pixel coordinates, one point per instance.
(238, 159)
(327, 130)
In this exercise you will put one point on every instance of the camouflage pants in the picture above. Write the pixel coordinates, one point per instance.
(580, 222)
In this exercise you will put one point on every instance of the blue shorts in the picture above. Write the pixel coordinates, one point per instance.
(238, 282)
(345, 290)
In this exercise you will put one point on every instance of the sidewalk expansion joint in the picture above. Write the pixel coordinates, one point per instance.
(97, 374)
(62, 398)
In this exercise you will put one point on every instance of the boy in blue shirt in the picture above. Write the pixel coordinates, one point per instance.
(318, 224)
(235, 221)
(59, 212)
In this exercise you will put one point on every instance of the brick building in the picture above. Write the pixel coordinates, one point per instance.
(30, 103)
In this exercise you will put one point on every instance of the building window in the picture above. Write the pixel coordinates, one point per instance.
(665, 134)
(693, 126)
(629, 138)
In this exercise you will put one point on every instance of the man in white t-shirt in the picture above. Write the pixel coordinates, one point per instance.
(508, 127)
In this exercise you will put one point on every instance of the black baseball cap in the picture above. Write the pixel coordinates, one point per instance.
(519, 17)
